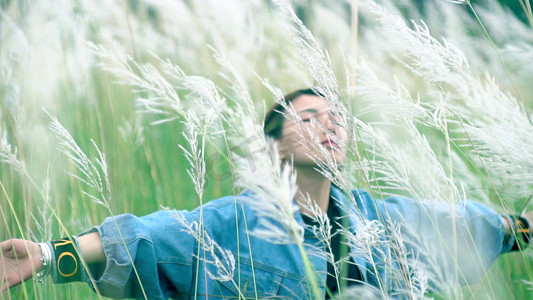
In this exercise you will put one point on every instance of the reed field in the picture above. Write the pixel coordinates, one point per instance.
(112, 107)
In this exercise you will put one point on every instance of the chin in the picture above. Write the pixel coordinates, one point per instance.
(338, 159)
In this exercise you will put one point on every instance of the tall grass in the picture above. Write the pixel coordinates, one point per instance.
(172, 93)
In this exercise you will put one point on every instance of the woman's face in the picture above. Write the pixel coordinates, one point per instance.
(319, 133)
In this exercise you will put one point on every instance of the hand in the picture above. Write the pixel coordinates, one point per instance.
(19, 260)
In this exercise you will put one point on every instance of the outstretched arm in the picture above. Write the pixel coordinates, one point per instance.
(20, 259)
(91, 248)
(459, 242)
(122, 254)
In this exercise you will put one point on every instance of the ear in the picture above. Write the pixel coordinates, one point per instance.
(282, 156)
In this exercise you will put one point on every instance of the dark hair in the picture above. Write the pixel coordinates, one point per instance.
(274, 119)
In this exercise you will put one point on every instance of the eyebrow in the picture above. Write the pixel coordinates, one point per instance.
(308, 110)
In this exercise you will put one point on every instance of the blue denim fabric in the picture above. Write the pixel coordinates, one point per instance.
(170, 265)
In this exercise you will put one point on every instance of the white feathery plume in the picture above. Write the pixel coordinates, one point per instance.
(275, 91)
(164, 99)
(476, 106)
(427, 173)
(44, 220)
(132, 132)
(411, 275)
(322, 231)
(418, 280)
(93, 172)
(203, 109)
(163, 96)
(202, 91)
(411, 167)
(426, 56)
(388, 103)
(383, 168)
(236, 83)
(363, 292)
(424, 262)
(400, 112)
(221, 259)
(368, 240)
(502, 137)
(274, 186)
(244, 127)
(195, 156)
(408, 277)
(515, 55)
(313, 59)
(500, 130)
(9, 154)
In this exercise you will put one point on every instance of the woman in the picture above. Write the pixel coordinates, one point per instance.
(226, 259)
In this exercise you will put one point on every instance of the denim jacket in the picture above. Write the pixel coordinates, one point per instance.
(454, 242)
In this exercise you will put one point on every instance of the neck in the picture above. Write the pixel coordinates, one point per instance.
(312, 185)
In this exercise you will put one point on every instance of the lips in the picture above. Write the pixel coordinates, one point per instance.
(329, 143)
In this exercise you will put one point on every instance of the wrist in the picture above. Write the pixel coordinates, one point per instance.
(60, 259)
(506, 224)
(45, 261)
(518, 232)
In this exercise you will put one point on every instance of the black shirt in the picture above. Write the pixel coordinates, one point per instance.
(334, 215)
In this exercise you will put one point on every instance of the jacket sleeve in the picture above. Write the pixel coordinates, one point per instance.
(458, 241)
(158, 248)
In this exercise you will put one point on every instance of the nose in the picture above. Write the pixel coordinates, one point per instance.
(327, 124)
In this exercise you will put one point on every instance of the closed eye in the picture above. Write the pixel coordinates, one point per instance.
(338, 123)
